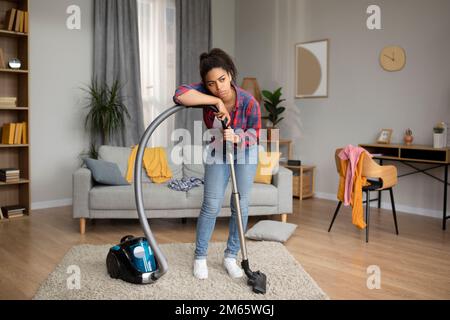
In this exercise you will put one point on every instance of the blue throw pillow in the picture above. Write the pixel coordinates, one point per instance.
(105, 172)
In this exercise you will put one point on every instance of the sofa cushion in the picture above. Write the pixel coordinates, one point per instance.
(105, 172)
(267, 162)
(160, 196)
(270, 230)
(120, 155)
(260, 195)
(156, 196)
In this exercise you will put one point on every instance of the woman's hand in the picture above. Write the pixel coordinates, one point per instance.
(229, 135)
(223, 112)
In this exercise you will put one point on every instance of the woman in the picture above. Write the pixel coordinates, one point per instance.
(242, 113)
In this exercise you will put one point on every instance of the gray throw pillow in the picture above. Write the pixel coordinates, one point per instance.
(271, 231)
(105, 172)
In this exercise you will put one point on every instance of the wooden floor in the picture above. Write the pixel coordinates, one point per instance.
(414, 265)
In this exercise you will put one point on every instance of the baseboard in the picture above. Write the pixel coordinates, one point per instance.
(51, 204)
(387, 205)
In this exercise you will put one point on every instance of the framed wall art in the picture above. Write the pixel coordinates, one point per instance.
(311, 69)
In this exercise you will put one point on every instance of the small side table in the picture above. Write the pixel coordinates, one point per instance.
(280, 142)
(302, 180)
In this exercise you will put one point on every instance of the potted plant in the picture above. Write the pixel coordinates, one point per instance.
(107, 112)
(438, 136)
(271, 103)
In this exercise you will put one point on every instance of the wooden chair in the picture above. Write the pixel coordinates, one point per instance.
(380, 177)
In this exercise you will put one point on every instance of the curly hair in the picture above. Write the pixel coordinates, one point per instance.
(217, 58)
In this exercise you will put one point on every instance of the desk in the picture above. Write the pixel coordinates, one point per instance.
(414, 153)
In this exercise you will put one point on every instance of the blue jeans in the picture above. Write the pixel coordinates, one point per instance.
(217, 177)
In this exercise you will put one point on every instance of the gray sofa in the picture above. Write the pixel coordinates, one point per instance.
(95, 201)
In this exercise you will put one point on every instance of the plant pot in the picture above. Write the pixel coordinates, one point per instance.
(269, 124)
(438, 140)
(273, 133)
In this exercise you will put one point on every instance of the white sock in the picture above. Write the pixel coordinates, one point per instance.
(200, 269)
(233, 269)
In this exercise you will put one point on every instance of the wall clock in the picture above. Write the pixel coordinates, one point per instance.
(392, 58)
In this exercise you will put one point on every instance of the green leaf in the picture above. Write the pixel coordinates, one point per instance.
(277, 121)
(267, 94)
(280, 110)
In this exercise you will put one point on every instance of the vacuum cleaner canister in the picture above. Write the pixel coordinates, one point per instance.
(132, 260)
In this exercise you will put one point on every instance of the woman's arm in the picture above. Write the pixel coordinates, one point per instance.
(196, 95)
(193, 97)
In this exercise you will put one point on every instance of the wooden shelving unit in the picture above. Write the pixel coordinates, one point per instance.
(15, 83)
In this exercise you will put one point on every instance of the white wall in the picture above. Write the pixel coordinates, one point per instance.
(362, 97)
(60, 63)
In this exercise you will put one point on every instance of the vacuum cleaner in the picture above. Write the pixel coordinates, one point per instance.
(139, 260)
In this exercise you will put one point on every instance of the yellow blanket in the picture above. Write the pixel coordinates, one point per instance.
(356, 199)
(155, 163)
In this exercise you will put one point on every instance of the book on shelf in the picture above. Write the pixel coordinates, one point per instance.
(2, 59)
(18, 21)
(13, 211)
(10, 180)
(24, 133)
(14, 133)
(25, 22)
(9, 19)
(9, 175)
(17, 133)
(8, 131)
(9, 170)
(22, 16)
(8, 99)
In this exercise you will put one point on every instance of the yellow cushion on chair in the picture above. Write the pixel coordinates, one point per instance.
(267, 161)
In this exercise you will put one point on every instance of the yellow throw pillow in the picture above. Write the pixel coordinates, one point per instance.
(267, 161)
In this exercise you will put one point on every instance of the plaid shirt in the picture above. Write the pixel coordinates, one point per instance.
(245, 118)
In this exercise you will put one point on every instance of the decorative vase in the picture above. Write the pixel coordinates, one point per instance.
(408, 139)
(438, 140)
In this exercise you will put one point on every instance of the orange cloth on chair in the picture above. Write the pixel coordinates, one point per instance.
(356, 197)
(155, 163)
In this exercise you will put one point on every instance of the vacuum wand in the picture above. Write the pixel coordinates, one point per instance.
(257, 280)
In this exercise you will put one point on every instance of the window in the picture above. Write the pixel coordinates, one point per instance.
(157, 43)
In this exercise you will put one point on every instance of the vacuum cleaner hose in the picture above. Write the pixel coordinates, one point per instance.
(162, 262)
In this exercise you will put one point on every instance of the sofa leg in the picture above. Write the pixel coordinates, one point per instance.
(284, 217)
(82, 225)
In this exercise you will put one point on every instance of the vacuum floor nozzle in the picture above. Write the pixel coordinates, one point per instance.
(256, 279)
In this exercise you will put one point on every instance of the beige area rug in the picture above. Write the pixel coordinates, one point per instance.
(286, 279)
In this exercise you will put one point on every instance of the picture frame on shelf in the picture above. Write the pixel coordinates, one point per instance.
(311, 69)
(384, 137)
